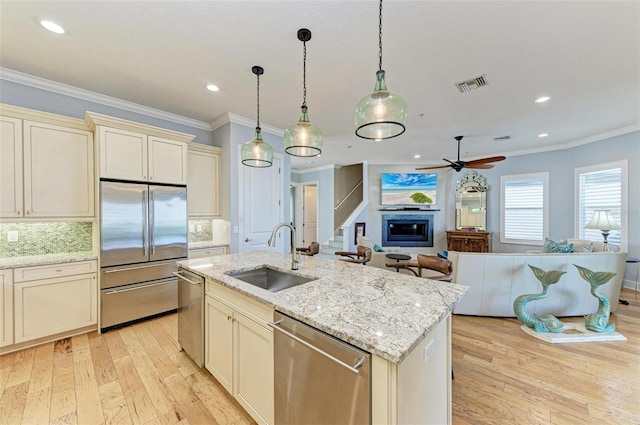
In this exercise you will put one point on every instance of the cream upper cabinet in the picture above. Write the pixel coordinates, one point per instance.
(123, 154)
(6, 307)
(203, 183)
(139, 152)
(11, 166)
(47, 165)
(167, 161)
(58, 171)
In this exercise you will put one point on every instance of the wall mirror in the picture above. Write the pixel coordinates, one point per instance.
(471, 202)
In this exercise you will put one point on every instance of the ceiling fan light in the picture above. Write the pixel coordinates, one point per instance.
(257, 153)
(381, 114)
(303, 138)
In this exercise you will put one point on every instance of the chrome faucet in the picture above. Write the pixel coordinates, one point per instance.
(272, 242)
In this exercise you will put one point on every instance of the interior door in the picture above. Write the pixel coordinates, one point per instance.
(310, 214)
(262, 207)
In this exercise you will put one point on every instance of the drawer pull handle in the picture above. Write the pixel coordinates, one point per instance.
(58, 270)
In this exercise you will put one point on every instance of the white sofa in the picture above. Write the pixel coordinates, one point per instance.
(496, 280)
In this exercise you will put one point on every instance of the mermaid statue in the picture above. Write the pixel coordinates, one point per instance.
(597, 322)
(545, 322)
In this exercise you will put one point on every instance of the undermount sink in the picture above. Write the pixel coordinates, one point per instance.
(270, 279)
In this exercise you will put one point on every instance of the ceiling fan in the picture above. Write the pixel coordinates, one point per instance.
(479, 164)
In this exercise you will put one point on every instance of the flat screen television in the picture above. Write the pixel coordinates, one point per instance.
(413, 189)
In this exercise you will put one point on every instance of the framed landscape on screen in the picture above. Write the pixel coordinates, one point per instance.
(408, 188)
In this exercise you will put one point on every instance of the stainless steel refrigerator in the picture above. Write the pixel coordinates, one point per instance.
(143, 233)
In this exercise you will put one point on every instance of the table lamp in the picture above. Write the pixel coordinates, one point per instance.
(603, 220)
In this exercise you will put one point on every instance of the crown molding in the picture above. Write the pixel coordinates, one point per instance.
(41, 116)
(313, 170)
(66, 90)
(244, 121)
(94, 119)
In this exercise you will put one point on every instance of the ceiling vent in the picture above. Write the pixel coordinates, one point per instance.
(473, 84)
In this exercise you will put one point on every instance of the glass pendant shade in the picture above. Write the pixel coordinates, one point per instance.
(303, 138)
(382, 114)
(257, 153)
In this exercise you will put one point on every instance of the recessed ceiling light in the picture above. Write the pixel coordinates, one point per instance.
(416, 156)
(52, 26)
(541, 135)
(212, 87)
(542, 99)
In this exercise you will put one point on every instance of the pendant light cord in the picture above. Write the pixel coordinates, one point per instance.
(304, 73)
(380, 39)
(258, 101)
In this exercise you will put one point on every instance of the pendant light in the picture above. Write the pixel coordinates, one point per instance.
(383, 113)
(257, 153)
(303, 138)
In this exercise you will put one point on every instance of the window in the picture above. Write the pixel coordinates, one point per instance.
(601, 187)
(524, 208)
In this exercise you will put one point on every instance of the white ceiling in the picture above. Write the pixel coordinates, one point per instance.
(584, 54)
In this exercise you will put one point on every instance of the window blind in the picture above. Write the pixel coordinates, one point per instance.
(599, 190)
(524, 209)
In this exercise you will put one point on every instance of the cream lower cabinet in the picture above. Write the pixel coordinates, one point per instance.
(239, 350)
(418, 389)
(54, 298)
(207, 252)
(6, 307)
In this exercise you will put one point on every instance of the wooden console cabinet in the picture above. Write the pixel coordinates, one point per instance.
(464, 241)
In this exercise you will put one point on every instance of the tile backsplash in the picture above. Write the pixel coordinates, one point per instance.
(215, 231)
(45, 238)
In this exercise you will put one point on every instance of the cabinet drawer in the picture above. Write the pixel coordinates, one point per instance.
(252, 309)
(53, 270)
(207, 252)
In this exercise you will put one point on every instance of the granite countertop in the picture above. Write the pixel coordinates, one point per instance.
(205, 244)
(379, 311)
(41, 260)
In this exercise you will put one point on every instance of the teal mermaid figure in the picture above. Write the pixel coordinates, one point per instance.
(542, 323)
(597, 322)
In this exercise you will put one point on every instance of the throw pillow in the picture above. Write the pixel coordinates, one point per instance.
(560, 246)
(377, 248)
(583, 246)
(444, 254)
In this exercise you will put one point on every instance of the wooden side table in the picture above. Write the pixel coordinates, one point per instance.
(398, 258)
(466, 241)
(637, 263)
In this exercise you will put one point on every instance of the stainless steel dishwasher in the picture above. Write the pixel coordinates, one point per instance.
(191, 314)
(318, 378)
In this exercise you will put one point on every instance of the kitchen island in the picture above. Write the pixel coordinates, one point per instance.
(403, 321)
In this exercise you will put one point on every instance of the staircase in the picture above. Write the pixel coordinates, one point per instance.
(329, 250)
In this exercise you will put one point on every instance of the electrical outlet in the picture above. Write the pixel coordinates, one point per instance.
(199, 227)
(12, 236)
(192, 228)
(428, 351)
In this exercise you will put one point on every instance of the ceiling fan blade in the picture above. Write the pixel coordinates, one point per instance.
(450, 162)
(480, 166)
(486, 160)
(433, 168)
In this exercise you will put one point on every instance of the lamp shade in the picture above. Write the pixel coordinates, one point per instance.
(602, 220)
(303, 138)
(382, 114)
(257, 153)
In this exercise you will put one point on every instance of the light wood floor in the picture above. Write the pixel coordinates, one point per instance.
(136, 375)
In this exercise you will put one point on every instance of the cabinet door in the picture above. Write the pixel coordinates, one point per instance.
(58, 171)
(49, 306)
(123, 154)
(167, 161)
(6, 308)
(254, 369)
(11, 166)
(203, 184)
(218, 351)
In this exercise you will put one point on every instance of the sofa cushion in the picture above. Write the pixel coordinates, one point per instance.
(582, 246)
(560, 246)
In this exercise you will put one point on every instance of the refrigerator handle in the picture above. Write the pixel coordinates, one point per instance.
(145, 246)
(152, 220)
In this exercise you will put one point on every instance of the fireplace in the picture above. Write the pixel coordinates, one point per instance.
(407, 230)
